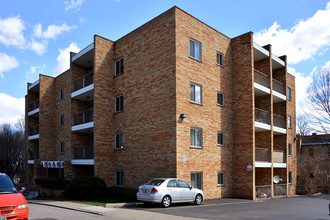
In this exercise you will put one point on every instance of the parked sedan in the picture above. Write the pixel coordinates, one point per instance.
(169, 190)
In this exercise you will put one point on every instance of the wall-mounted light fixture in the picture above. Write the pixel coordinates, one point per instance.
(183, 115)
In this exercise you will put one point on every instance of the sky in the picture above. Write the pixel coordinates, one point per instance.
(37, 36)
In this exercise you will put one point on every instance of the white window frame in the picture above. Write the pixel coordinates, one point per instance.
(117, 141)
(61, 94)
(120, 62)
(223, 139)
(201, 92)
(121, 180)
(62, 147)
(121, 104)
(220, 55)
(196, 178)
(195, 137)
(62, 120)
(192, 54)
(219, 99)
(223, 179)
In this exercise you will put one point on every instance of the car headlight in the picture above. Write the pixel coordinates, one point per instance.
(24, 206)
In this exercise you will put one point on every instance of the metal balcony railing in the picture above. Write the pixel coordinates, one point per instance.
(83, 81)
(262, 116)
(279, 121)
(34, 130)
(262, 154)
(83, 117)
(280, 189)
(261, 78)
(279, 156)
(34, 105)
(264, 191)
(34, 155)
(278, 87)
(83, 153)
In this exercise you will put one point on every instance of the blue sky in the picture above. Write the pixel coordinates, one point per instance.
(36, 36)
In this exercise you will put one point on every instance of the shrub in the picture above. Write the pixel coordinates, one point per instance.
(86, 188)
(122, 194)
(52, 183)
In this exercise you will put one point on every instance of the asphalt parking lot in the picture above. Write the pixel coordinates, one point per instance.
(309, 207)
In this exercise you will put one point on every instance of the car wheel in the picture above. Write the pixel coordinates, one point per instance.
(166, 202)
(198, 199)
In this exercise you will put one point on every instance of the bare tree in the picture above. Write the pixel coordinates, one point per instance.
(303, 125)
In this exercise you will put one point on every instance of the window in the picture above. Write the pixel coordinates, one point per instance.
(289, 149)
(119, 103)
(183, 184)
(119, 178)
(119, 66)
(220, 59)
(290, 177)
(61, 120)
(289, 121)
(195, 49)
(172, 183)
(221, 139)
(196, 137)
(289, 93)
(311, 152)
(196, 180)
(61, 94)
(119, 141)
(221, 179)
(195, 93)
(221, 98)
(62, 147)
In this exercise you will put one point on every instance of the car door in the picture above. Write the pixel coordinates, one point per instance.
(186, 193)
(173, 190)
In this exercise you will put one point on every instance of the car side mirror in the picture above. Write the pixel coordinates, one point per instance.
(190, 187)
(22, 189)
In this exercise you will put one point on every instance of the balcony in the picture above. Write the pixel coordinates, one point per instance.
(34, 87)
(278, 91)
(263, 192)
(279, 159)
(279, 124)
(280, 190)
(33, 155)
(83, 121)
(33, 133)
(85, 57)
(262, 157)
(83, 156)
(262, 120)
(261, 84)
(34, 109)
(83, 87)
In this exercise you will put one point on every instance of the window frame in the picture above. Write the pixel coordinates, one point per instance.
(289, 149)
(201, 141)
(289, 122)
(223, 139)
(117, 141)
(61, 94)
(221, 64)
(62, 147)
(194, 52)
(121, 180)
(219, 95)
(196, 173)
(290, 178)
(223, 178)
(120, 65)
(61, 120)
(121, 103)
(201, 93)
(289, 94)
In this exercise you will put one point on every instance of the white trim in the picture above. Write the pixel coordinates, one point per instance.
(279, 165)
(82, 90)
(83, 126)
(83, 162)
(35, 111)
(261, 49)
(261, 125)
(263, 164)
(30, 161)
(33, 137)
(278, 60)
(279, 95)
(34, 84)
(261, 87)
(279, 130)
(83, 51)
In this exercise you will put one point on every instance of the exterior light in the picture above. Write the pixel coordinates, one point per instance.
(183, 115)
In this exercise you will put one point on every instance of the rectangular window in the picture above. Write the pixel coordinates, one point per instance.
(62, 147)
(289, 149)
(289, 121)
(221, 99)
(119, 66)
(119, 141)
(195, 49)
(220, 59)
(119, 103)
(196, 137)
(221, 139)
(221, 179)
(196, 180)
(290, 177)
(289, 93)
(61, 120)
(61, 94)
(120, 178)
(195, 93)
(311, 152)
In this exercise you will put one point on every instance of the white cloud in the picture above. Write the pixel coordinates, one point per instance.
(302, 41)
(7, 63)
(11, 108)
(52, 31)
(73, 4)
(63, 59)
(39, 47)
(11, 32)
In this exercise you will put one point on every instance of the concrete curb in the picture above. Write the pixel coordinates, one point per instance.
(120, 205)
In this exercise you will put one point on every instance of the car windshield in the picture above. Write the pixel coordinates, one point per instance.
(155, 182)
(6, 185)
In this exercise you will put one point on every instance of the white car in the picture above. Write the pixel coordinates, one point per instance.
(169, 190)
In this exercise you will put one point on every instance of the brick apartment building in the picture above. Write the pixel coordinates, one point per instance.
(173, 98)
